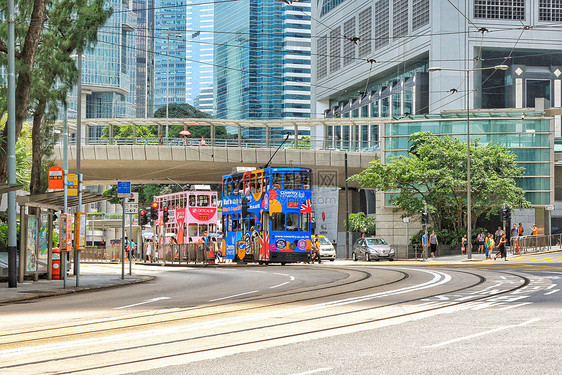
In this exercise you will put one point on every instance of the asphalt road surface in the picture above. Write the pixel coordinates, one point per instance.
(335, 318)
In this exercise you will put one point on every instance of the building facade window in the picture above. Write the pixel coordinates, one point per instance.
(322, 67)
(550, 10)
(335, 49)
(349, 46)
(500, 9)
(382, 27)
(420, 13)
(399, 18)
(365, 34)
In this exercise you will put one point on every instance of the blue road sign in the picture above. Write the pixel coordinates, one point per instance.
(123, 189)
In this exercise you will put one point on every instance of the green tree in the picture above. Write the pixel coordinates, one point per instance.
(435, 172)
(360, 222)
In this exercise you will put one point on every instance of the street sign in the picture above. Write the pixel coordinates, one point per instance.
(56, 181)
(132, 203)
(72, 182)
(123, 189)
(550, 207)
(80, 232)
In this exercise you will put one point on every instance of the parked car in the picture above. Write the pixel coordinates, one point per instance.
(372, 248)
(327, 250)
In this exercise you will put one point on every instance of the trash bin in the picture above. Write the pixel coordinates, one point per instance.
(56, 263)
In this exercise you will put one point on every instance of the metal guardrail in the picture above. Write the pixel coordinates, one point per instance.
(535, 244)
(359, 146)
(185, 253)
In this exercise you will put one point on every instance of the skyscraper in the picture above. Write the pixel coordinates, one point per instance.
(183, 52)
(262, 57)
(144, 50)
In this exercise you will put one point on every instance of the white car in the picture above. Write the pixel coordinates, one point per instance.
(327, 250)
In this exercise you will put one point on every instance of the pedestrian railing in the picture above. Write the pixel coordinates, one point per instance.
(535, 244)
(184, 253)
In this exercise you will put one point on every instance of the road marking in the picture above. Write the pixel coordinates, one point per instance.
(439, 278)
(550, 286)
(481, 334)
(513, 306)
(552, 291)
(314, 371)
(278, 285)
(235, 295)
(142, 303)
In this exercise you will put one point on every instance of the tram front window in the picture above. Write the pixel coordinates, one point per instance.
(305, 222)
(292, 181)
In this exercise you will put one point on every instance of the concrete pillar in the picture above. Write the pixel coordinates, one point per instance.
(239, 135)
(213, 134)
(134, 134)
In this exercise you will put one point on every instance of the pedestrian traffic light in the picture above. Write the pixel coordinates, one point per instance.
(165, 214)
(424, 217)
(143, 220)
(154, 211)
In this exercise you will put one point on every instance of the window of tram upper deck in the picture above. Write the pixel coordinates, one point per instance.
(202, 201)
(192, 201)
(277, 180)
(305, 180)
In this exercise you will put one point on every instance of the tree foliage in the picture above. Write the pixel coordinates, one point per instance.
(435, 172)
(360, 222)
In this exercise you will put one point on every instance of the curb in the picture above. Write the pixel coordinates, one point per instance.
(79, 290)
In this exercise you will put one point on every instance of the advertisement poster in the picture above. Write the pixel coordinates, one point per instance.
(31, 259)
(43, 245)
(80, 231)
(62, 232)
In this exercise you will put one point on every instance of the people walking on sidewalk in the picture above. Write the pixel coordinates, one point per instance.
(498, 235)
(501, 246)
(425, 243)
(491, 246)
(149, 251)
(433, 242)
(481, 239)
(464, 240)
(520, 229)
(534, 230)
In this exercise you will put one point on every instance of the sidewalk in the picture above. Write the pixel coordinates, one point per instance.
(46, 288)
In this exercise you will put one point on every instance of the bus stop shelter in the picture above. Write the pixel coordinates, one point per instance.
(36, 229)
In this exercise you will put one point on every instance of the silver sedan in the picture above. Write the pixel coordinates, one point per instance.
(372, 248)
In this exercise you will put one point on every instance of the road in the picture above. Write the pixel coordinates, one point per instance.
(335, 318)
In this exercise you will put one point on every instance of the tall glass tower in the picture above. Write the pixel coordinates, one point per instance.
(183, 52)
(262, 57)
(144, 51)
(108, 70)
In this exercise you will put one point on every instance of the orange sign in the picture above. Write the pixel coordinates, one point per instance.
(72, 183)
(56, 180)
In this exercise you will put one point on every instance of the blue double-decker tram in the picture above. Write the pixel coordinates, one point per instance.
(267, 215)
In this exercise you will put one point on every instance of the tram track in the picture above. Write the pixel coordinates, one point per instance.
(480, 280)
(131, 319)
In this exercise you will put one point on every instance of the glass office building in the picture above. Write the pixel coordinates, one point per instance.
(184, 53)
(109, 70)
(263, 60)
(528, 134)
(144, 50)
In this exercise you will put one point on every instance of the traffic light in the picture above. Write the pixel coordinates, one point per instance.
(424, 217)
(143, 220)
(154, 211)
(506, 214)
(165, 214)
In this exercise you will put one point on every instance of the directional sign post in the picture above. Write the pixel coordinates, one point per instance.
(123, 189)
(132, 203)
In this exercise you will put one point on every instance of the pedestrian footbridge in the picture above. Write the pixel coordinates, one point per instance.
(105, 160)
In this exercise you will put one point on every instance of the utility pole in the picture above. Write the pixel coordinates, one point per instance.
(12, 218)
(346, 210)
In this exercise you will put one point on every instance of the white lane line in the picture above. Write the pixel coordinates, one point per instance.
(280, 274)
(142, 303)
(278, 285)
(552, 291)
(314, 371)
(235, 295)
(481, 334)
(439, 278)
(292, 278)
(550, 286)
(513, 306)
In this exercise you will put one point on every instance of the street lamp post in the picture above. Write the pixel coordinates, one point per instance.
(468, 177)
